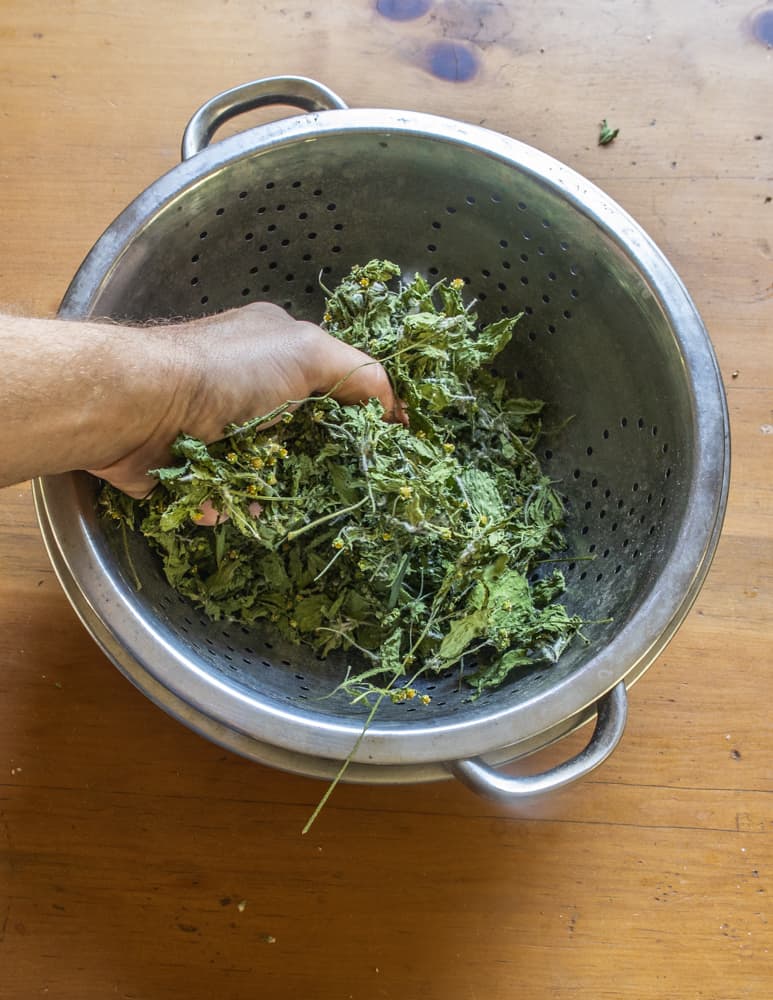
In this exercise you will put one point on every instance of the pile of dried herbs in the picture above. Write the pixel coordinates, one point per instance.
(410, 547)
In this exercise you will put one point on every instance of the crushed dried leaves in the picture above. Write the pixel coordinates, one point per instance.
(410, 547)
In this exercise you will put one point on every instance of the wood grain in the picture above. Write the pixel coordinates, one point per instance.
(138, 860)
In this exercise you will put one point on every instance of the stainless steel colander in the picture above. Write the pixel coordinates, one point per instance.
(610, 338)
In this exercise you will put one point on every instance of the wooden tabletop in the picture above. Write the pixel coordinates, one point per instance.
(137, 860)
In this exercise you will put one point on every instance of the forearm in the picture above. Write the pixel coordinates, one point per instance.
(76, 395)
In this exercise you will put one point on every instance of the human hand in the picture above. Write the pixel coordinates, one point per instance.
(232, 367)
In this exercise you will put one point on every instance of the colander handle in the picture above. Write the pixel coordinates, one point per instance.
(612, 711)
(296, 91)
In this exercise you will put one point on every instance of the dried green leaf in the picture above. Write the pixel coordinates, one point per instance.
(607, 134)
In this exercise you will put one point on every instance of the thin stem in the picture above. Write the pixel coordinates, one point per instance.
(322, 572)
(291, 535)
(343, 768)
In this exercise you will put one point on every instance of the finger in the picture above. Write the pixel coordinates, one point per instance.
(208, 516)
(352, 376)
(137, 487)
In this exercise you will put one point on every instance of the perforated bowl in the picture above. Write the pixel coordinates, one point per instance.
(610, 339)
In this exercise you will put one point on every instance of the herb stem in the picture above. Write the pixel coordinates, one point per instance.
(292, 535)
(322, 572)
(344, 767)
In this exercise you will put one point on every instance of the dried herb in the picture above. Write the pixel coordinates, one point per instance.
(607, 134)
(409, 547)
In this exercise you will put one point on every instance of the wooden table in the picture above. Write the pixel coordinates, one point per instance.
(139, 861)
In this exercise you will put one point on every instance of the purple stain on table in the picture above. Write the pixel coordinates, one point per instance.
(762, 27)
(403, 10)
(451, 61)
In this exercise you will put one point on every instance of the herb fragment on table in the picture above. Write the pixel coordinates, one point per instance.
(410, 548)
(607, 134)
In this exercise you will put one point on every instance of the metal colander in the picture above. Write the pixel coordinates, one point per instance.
(637, 433)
